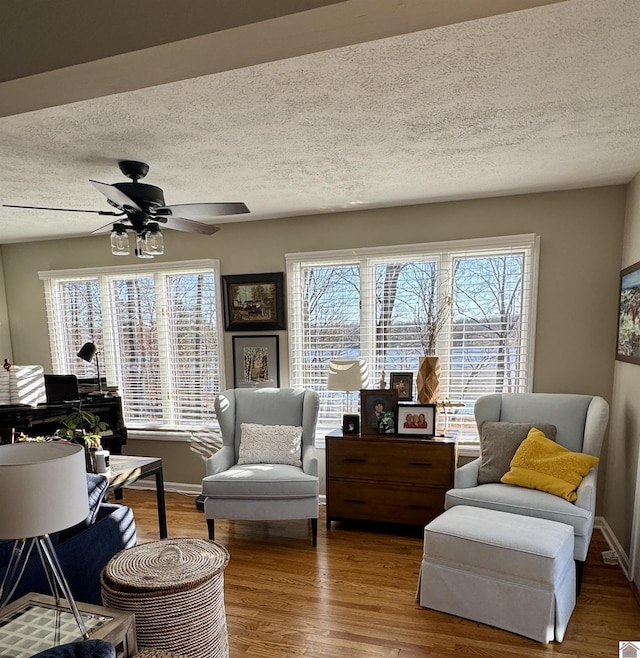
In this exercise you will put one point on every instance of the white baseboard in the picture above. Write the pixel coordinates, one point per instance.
(614, 544)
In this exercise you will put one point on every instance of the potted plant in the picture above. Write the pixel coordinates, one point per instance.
(84, 428)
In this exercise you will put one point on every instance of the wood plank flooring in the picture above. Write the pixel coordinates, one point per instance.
(354, 596)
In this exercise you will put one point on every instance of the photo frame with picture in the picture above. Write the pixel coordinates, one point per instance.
(256, 362)
(403, 383)
(416, 419)
(253, 302)
(628, 347)
(378, 411)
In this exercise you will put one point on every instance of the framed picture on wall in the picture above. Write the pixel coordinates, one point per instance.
(416, 419)
(253, 302)
(256, 362)
(378, 411)
(629, 315)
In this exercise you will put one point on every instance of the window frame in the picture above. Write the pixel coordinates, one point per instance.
(444, 252)
(52, 279)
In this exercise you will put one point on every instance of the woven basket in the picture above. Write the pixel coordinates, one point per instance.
(156, 653)
(175, 587)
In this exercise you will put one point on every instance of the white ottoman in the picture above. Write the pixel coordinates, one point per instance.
(507, 570)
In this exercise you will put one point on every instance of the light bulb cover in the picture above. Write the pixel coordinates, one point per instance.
(153, 240)
(119, 240)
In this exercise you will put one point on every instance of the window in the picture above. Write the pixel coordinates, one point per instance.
(158, 332)
(472, 303)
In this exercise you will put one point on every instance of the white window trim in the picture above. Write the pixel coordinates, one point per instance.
(48, 277)
(489, 246)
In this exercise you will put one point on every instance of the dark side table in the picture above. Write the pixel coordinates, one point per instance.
(127, 469)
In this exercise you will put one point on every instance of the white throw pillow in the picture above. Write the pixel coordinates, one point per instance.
(270, 444)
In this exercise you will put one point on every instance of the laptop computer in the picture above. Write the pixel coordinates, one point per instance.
(61, 388)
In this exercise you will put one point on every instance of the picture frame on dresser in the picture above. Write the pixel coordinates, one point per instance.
(403, 383)
(378, 411)
(416, 419)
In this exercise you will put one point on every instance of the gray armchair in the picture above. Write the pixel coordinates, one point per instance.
(581, 422)
(263, 491)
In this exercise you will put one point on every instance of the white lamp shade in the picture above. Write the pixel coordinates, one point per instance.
(43, 488)
(347, 375)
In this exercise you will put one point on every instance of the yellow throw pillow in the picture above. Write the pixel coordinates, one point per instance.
(542, 464)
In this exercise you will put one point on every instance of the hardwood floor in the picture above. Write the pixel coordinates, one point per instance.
(354, 595)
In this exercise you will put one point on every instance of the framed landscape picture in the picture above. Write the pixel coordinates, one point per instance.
(629, 315)
(416, 419)
(378, 411)
(253, 302)
(256, 362)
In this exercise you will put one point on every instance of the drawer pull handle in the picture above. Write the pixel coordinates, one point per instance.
(427, 464)
(353, 500)
(355, 460)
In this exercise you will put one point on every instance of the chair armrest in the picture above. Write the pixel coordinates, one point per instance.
(221, 461)
(466, 476)
(309, 460)
(587, 492)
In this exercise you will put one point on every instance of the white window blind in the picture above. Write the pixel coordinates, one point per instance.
(158, 331)
(472, 303)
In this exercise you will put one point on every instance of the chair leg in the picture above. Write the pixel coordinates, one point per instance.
(211, 525)
(579, 574)
(314, 532)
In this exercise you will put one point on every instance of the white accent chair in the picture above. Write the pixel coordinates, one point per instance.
(581, 422)
(263, 491)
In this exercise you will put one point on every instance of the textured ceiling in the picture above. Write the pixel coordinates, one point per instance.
(541, 99)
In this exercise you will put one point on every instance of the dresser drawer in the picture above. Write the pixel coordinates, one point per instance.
(383, 502)
(389, 460)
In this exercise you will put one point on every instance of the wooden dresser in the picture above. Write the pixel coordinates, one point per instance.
(387, 479)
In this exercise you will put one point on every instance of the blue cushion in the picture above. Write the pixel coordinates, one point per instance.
(97, 486)
(86, 649)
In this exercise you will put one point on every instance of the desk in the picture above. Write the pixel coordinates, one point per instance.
(34, 623)
(127, 469)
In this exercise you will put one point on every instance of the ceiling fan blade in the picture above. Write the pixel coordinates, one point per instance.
(97, 212)
(115, 196)
(201, 211)
(188, 225)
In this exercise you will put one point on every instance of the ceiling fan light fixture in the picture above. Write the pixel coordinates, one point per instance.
(153, 240)
(141, 249)
(119, 240)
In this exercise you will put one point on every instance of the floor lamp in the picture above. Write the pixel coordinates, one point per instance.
(87, 353)
(43, 489)
(347, 375)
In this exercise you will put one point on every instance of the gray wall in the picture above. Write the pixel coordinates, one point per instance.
(581, 236)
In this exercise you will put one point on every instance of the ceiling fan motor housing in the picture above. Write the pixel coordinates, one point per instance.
(146, 196)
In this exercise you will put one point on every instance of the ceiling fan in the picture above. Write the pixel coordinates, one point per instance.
(141, 208)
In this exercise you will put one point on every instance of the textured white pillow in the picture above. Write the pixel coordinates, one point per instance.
(269, 444)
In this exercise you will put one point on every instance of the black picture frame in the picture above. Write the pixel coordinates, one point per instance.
(256, 362)
(628, 343)
(351, 424)
(406, 410)
(403, 383)
(253, 302)
(369, 424)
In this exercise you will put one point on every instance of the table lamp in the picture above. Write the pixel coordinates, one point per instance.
(87, 353)
(347, 375)
(43, 489)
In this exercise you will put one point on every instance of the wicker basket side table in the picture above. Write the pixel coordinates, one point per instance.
(175, 587)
